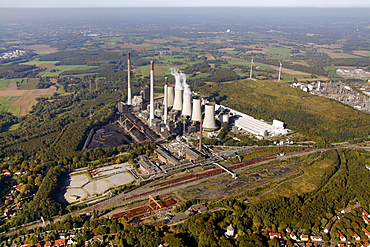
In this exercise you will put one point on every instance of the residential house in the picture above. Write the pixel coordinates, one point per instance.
(98, 239)
(341, 236)
(316, 238)
(60, 242)
(274, 235)
(367, 233)
(366, 219)
(365, 244)
(305, 237)
(7, 173)
(356, 236)
(365, 213)
(48, 243)
(293, 236)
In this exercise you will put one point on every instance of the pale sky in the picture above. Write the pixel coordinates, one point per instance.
(183, 3)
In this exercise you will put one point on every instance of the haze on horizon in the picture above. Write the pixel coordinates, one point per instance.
(188, 3)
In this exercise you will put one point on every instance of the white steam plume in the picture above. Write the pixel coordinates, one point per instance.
(178, 77)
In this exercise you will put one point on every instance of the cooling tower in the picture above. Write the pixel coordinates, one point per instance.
(170, 96)
(177, 104)
(186, 106)
(197, 110)
(209, 122)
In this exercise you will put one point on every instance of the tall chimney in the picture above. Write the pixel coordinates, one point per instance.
(170, 96)
(165, 101)
(151, 117)
(197, 111)
(209, 117)
(186, 106)
(200, 135)
(129, 101)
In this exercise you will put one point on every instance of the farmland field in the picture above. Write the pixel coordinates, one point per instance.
(62, 68)
(28, 84)
(4, 83)
(20, 102)
(42, 49)
(37, 63)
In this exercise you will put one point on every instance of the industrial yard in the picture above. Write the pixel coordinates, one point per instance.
(86, 186)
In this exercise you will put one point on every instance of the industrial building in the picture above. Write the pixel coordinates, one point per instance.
(148, 167)
(166, 157)
(252, 125)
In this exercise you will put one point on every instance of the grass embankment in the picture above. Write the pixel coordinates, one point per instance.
(318, 118)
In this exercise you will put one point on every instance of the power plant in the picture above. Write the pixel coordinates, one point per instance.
(176, 115)
(179, 114)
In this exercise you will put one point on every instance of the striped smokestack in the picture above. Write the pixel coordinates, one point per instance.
(151, 117)
(129, 101)
(165, 101)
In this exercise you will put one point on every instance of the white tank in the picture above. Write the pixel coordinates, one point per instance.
(197, 111)
(209, 122)
(186, 106)
(225, 117)
(177, 104)
(170, 96)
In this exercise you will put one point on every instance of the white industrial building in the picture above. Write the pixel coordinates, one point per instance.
(254, 126)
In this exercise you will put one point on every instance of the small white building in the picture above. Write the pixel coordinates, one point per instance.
(229, 231)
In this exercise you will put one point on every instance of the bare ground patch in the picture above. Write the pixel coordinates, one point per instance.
(42, 49)
(45, 65)
(226, 186)
(209, 56)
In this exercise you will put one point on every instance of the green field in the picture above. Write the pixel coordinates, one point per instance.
(8, 99)
(200, 76)
(37, 62)
(15, 110)
(346, 55)
(28, 84)
(279, 51)
(5, 105)
(5, 82)
(14, 126)
(63, 68)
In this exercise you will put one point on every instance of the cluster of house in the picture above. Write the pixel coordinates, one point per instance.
(13, 54)
(304, 239)
(69, 242)
(9, 173)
